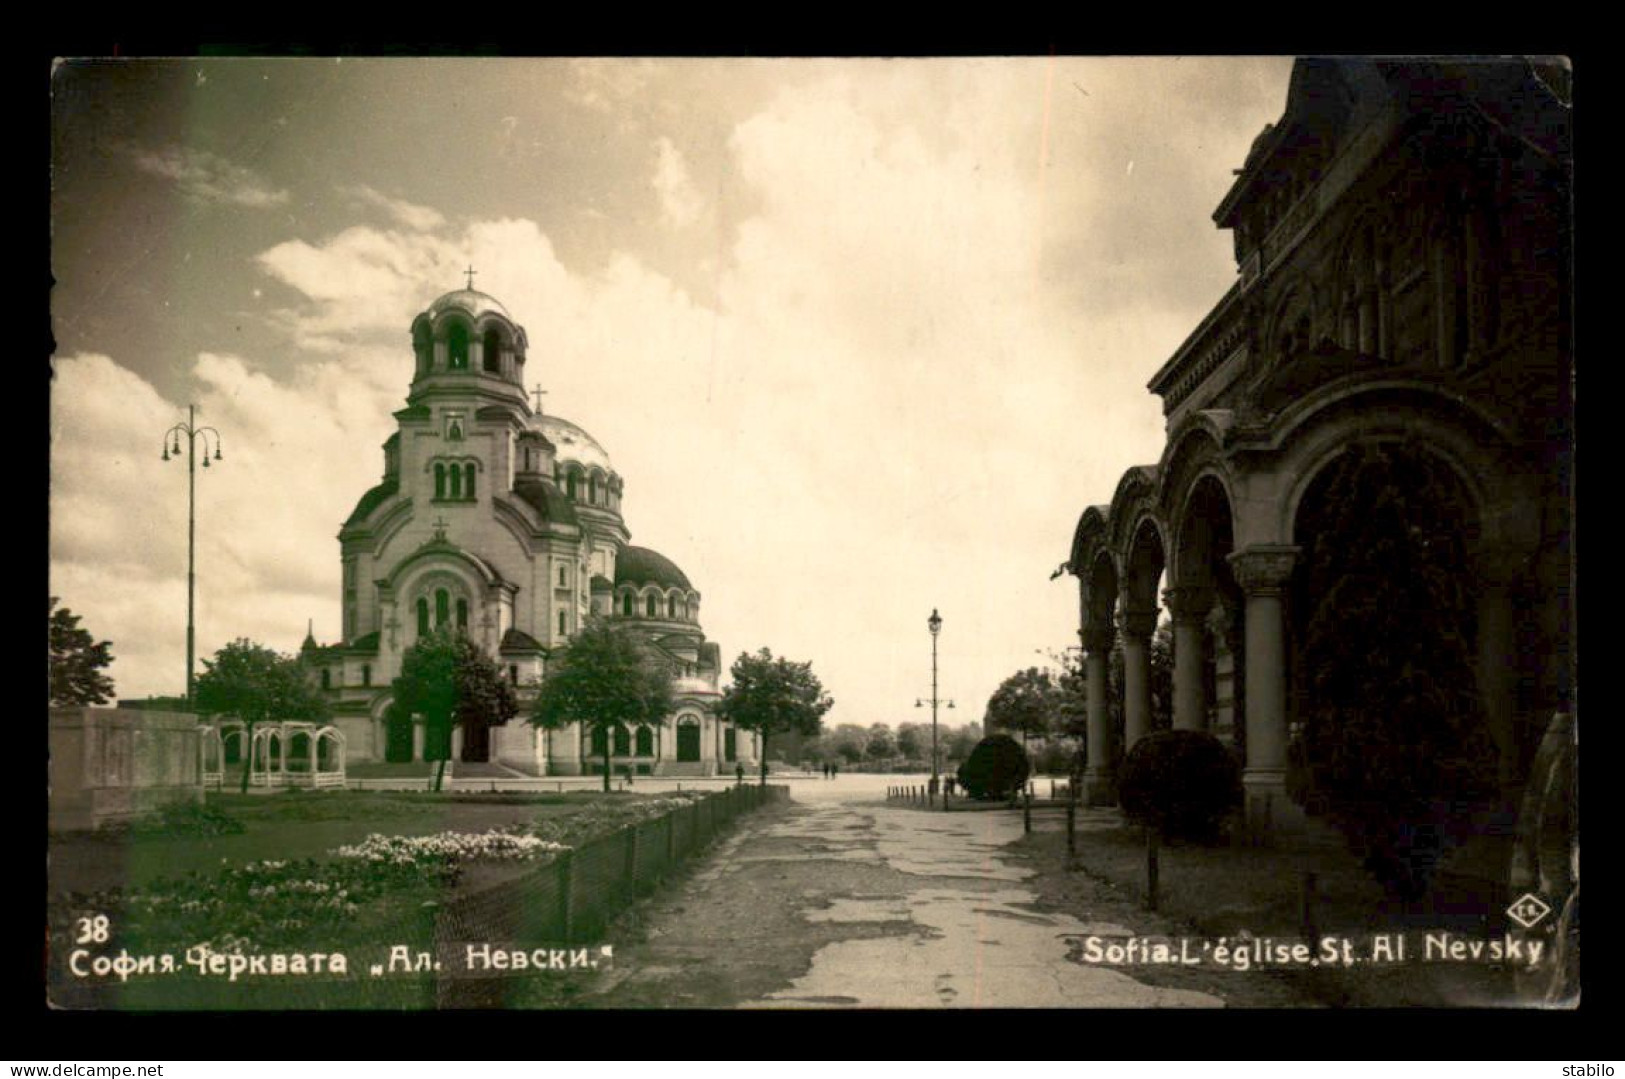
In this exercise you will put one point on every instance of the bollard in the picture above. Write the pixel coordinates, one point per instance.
(1027, 811)
(1151, 868)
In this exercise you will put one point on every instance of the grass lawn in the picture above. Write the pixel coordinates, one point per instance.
(304, 911)
(294, 825)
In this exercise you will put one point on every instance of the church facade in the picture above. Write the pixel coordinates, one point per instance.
(1401, 309)
(507, 524)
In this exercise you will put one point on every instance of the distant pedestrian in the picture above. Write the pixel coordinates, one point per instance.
(739, 772)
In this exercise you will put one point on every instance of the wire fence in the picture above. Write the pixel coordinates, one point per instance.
(574, 897)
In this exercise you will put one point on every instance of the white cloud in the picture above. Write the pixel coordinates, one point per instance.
(293, 463)
(680, 201)
(408, 214)
(209, 177)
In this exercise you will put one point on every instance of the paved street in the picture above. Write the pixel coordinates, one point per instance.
(840, 900)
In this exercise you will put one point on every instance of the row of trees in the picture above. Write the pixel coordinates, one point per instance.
(853, 744)
(602, 680)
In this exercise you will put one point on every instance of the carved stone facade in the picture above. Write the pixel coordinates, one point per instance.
(1402, 240)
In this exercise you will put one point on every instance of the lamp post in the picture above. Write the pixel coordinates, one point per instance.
(934, 623)
(172, 448)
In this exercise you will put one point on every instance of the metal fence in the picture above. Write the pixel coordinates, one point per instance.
(574, 897)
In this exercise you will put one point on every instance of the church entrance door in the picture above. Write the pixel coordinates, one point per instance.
(476, 743)
(688, 742)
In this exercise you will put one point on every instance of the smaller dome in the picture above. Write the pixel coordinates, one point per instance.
(571, 443)
(474, 302)
(639, 565)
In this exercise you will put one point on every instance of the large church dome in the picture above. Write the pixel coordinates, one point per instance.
(571, 443)
(639, 565)
(474, 302)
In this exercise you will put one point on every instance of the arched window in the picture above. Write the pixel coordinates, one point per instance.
(493, 351)
(649, 607)
(570, 486)
(646, 742)
(442, 607)
(730, 745)
(439, 480)
(671, 607)
(423, 616)
(564, 578)
(468, 481)
(626, 605)
(563, 625)
(366, 674)
(600, 741)
(457, 347)
(623, 740)
(456, 481)
(422, 346)
(592, 490)
(462, 614)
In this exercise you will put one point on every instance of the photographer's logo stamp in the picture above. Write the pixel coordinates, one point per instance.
(1528, 910)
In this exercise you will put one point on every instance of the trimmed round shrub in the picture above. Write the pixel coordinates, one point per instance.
(1182, 783)
(996, 768)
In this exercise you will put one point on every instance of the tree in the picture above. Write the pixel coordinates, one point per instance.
(914, 740)
(1394, 744)
(769, 695)
(450, 681)
(77, 661)
(1025, 703)
(257, 685)
(848, 742)
(880, 747)
(959, 742)
(604, 680)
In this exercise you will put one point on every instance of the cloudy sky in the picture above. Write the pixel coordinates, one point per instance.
(863, 338)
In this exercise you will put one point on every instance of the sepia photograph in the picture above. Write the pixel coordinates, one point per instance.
(832, 533)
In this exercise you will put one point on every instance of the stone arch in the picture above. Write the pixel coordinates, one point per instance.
(457, 337)
(1315, 431)
(491, 342)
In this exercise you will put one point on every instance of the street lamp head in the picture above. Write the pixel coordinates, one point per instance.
(918, 703)
(935, 622)
(166, 451)
(217, 449)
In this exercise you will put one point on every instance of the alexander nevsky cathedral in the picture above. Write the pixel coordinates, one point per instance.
(507, 524)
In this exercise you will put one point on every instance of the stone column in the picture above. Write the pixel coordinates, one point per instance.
(1136, 627)
(1100, 776)
(1189, 605)
(1262, 572)
(417, 738)
(1498, 571)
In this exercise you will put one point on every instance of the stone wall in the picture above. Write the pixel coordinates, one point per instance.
(110, 764)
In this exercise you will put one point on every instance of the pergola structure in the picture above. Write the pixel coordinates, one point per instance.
(287, 754)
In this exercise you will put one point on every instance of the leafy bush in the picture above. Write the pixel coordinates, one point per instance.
(187, 819)
(996, 768)
(1182, 783)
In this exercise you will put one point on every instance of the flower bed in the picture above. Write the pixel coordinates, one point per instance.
(274, 902)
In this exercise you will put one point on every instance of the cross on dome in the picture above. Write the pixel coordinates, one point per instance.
(471, 271)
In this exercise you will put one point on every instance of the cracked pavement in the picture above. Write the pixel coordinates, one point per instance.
(841, 900)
